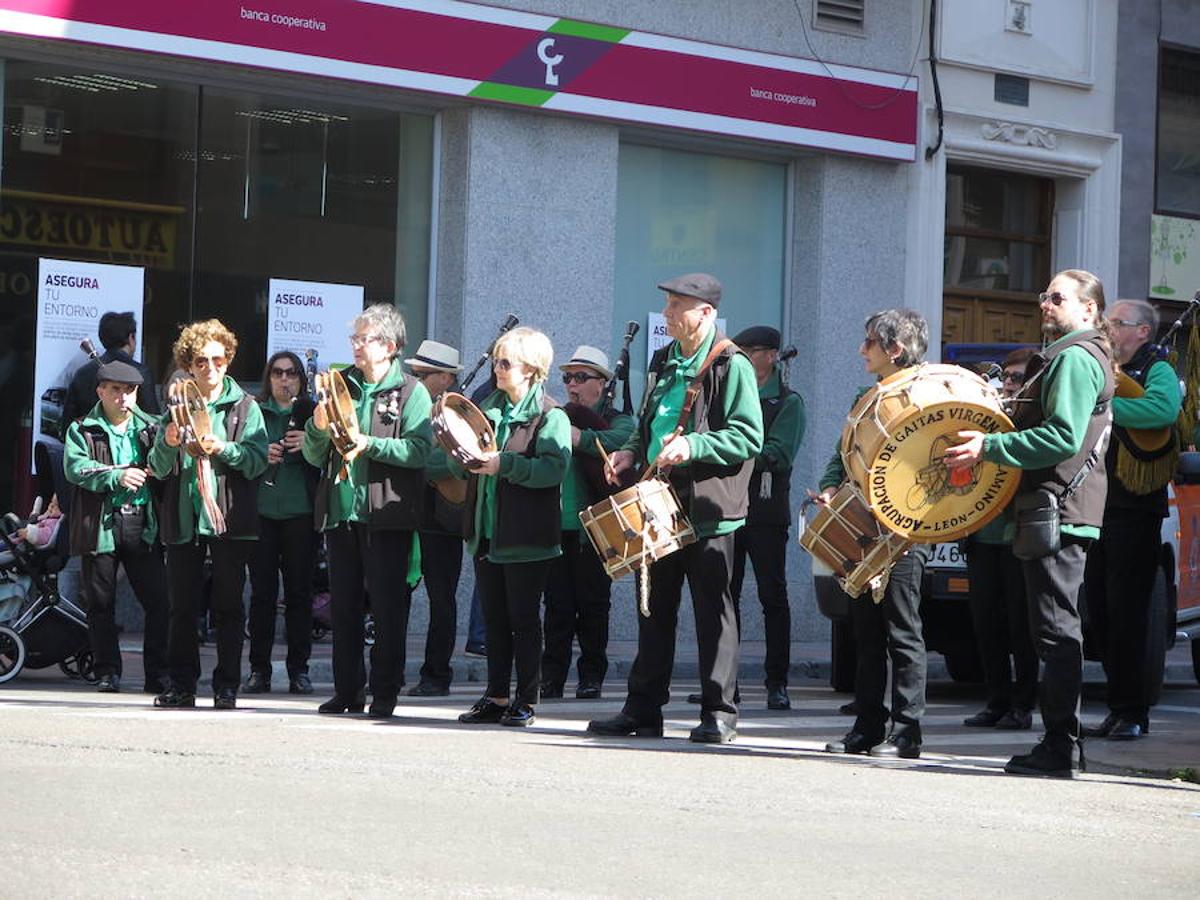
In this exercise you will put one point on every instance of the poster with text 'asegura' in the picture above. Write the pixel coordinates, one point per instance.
(311, 318)
(71, 298)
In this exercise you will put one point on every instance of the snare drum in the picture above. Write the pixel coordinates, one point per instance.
(894, 441)
(636, 526)
(845, 536)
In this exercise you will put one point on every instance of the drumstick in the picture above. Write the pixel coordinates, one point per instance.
(654, 466)
(608, 469)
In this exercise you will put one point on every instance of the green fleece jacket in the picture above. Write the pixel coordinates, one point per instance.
(247, 456)
(782, 442)
(287, 496)
(575, 487)
(125, 448)
(1068, 392)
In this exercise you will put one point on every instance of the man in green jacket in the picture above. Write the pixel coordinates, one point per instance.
(707, 453)
(113, 523)
(578, 590)
(1123, 564)
(1062, 429)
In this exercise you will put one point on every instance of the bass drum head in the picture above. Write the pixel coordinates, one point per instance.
(915, 495)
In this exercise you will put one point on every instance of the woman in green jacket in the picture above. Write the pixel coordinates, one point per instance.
(287, 543)
(236, 450)
(512, 522)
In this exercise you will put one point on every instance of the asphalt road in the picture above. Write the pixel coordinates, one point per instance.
(105, 796)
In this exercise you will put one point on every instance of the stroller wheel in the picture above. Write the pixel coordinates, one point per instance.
(68, 668)
(87, 666)
(319, 632)
(369, 631)
(12, 654)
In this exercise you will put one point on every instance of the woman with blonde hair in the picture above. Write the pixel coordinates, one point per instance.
(218, 517)
(512, 522)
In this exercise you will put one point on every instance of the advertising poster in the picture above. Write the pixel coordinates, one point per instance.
(71, 298)
(1174, 258)
(312, 320)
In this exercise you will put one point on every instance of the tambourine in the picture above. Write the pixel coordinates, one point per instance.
(333, 398)
(462, 430)
(189, 413)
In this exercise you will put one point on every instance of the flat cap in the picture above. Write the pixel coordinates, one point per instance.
(758, 336)
(698, 285)
(119, 373)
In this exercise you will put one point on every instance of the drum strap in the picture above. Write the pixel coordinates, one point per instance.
(697, 383)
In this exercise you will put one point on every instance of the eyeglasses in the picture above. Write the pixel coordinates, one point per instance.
(580, 377)
(1124, 323)
(1012, 376)
(359, 340)
(217, 362)
(1058, 298)
(277, 372)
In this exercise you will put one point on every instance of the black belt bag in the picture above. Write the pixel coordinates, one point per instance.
(1039, 522)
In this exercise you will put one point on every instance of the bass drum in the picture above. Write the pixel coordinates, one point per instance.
(894, 441)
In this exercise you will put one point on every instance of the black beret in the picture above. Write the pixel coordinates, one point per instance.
(759, 336)
(119, 373)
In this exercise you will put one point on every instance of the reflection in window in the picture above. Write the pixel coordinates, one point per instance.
(1178, 171)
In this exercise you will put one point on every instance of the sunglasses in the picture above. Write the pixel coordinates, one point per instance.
(1014, 377)
(217, 362)
(503, 364)
(1056, 297)
(283, 373)
(579, 377)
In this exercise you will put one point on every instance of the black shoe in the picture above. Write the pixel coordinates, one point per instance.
(777, 698)
(484, 712)
(225, 698)
(985, 718)
(518, 716)
(624, 725)
(257, 683)
(712, 731)
(381, 709)
(300, 683)
(337, 706)
(898, 745)
(849, 709)
(1043, 762)
(1128, 730)
(475, 648)
(1016, 720)
(1102, 729)
(429, 689)
(109, 684)
(587, 690)
(174, 699)
(854, 742)
(550, 691)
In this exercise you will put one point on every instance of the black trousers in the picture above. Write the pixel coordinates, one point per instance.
(578, 599)
(364, 561)
(148, 578)
(441, 566)
(511, 597)
(1119, 575)
(1052, 585)
(766, 545)
(288, 546)
(707, 565)
(185, 578)
(892, 630)
(1000, 615)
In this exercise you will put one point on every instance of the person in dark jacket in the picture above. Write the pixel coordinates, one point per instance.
(113, 523)
(286, 543)
(1062, 432)
(118, 337)
(512, 519)
(708, 454)
(209, 508)
(370, 517)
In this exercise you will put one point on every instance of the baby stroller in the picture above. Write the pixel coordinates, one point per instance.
(38, 626)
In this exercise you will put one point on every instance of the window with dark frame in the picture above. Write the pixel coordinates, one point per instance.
(1177, 169)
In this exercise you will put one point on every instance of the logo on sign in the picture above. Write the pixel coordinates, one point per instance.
(551, 62)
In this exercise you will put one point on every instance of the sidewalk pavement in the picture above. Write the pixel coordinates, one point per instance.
(1174, 742)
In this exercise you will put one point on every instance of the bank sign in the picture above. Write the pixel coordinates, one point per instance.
(510, 57)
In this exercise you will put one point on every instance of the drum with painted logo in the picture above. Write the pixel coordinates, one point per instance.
(894, 441)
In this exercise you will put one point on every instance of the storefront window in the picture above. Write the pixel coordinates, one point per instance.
(1178, 168)
(683, 212)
